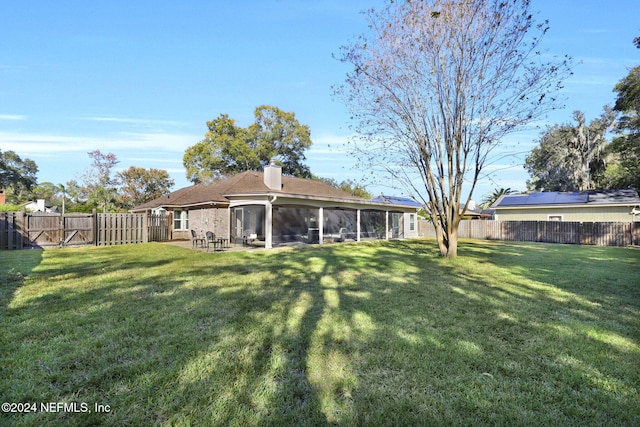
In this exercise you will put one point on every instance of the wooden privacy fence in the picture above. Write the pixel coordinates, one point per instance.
(578, 233)
(11, 231)
(19, 230)
(121, 229)
(159, 227)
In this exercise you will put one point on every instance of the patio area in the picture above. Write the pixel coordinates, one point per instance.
(231, 247)
(257, 245)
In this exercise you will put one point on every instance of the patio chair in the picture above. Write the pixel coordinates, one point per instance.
(197, 241)
(211, 239)
(345, 234)
(248, 237)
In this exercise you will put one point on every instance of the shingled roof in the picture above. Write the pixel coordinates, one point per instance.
(245, 183)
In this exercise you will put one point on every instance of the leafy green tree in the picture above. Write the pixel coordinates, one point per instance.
(49, 192)
(277, 134)
(17, 176)
(547, 164)
(10, 207)
(226, 150)
(490, 199)
(436, 85)
(570, 157)
(355, 189)
(624, 171)
(229, 149)
(348, 186)
(78, 197)
(100, 184)
(139, 185)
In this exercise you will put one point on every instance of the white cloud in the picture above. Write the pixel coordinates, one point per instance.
(154, 160)
(12, 117)
(330, 139)
(133, 121)
(47, 144)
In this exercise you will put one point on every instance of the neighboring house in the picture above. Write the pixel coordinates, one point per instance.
(583, 206)
(277, 210)
(472, 212)
(40, 206)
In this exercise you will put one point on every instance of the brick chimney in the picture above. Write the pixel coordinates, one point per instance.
(3, 197)
(273, 176)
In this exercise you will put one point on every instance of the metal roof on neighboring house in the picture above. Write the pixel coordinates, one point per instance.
(396, 200)
(626, 197)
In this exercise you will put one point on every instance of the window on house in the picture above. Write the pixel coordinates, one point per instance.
(554, 218)
(180, 220)
(412, 222)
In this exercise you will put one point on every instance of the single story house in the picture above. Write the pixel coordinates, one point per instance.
(39, 206)
(579, 206)
(275, 210)
(471, 213)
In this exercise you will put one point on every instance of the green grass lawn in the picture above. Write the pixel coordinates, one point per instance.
(383, 333)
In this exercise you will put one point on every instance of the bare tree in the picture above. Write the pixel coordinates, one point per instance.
(100, 186)
(435, 86)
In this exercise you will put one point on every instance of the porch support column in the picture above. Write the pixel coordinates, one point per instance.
(268, 225)
(320, 224)
(386, 233)
(358, 226)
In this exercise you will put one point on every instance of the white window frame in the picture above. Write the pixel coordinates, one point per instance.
(555, 217)
(412, 222)
(181, 217)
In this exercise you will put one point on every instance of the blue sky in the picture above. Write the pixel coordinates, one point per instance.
(141, 78)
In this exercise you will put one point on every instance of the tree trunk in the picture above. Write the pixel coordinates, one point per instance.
(452, 250)
(447, 240)
(440, 238)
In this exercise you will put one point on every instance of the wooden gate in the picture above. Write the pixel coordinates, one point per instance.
(20, 230)
(159, 230)
(79, 229)
(47, 230)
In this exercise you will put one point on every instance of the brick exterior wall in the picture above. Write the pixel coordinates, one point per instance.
(206, 219)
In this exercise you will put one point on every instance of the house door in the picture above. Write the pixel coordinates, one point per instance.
(397, 225)
(238, 215)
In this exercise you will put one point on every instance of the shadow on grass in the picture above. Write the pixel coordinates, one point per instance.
(15, 267)
(382, 333)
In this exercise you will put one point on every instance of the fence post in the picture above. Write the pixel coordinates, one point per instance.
(11, 229)
(170, 219)
(4, 225)
(145, 228)
(61, 229)
(22, 229)
(10, 226)
(94, 224)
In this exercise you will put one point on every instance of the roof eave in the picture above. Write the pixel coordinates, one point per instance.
(317, 198)
(581, 205)
(182, 205)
